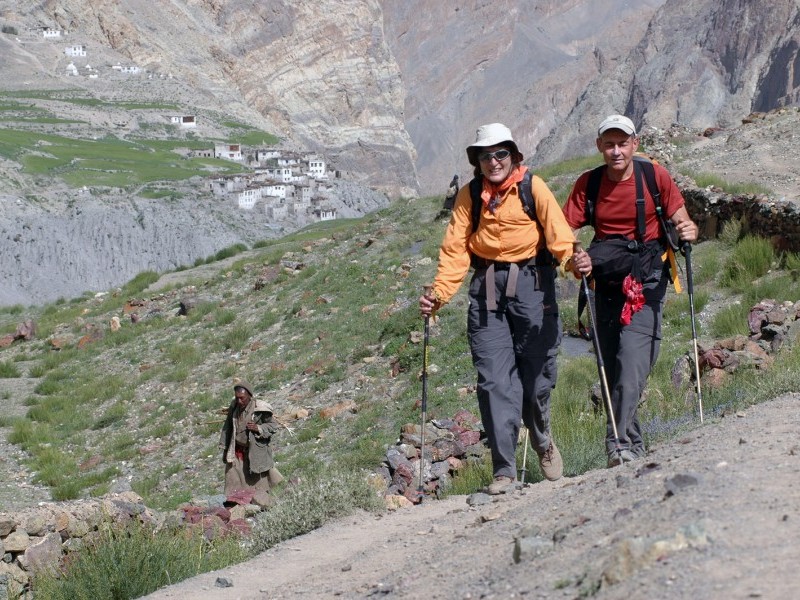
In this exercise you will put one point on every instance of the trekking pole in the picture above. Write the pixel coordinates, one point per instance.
(687, 254)
(524, 470)
(425, 335)
(601, 367)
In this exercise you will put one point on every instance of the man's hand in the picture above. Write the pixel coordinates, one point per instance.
(581, 262)
(686, 228)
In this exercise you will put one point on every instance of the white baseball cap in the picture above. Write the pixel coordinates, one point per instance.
(620, 122)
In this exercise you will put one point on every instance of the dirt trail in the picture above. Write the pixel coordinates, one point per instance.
(714, 514)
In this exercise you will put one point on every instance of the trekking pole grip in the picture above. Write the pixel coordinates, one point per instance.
(686, 249)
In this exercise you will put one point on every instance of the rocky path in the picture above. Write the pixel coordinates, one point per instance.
(714, 514)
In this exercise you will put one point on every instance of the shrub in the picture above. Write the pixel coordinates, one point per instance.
(750, 259)
(312, 503)
(133, 561)
(731, 320)
(9, 370)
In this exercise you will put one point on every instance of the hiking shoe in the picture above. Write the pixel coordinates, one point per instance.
(550, 463)
(618, 457)
(500, 485)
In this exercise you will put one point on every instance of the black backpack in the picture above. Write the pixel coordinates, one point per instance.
(528, 205)
(642, 166)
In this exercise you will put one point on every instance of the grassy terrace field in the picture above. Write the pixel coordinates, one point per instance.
(39, 134)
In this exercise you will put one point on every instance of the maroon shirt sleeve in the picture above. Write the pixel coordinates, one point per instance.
(575, 207)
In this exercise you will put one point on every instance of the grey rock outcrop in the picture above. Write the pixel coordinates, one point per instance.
(701, 63)
(94, 245)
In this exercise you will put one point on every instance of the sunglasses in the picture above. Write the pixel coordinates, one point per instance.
(498, 155)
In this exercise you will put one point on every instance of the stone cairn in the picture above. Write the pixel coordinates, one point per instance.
(773, 325)
(45, 536)
(449, 444)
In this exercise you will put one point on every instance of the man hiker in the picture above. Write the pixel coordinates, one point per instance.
(249, 465)
(507, 225)
(629, 271)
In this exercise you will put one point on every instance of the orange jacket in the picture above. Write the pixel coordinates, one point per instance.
(509, 235)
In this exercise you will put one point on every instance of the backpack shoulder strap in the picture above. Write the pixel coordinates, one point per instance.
(475, 187)
(649, 172)
(641, 223)
(667, 227)
(592, 191)
(526, 196)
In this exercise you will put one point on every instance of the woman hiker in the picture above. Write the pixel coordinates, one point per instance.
(513, 324)
(246, 433)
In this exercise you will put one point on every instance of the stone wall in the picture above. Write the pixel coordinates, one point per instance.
(778, 220)
(43, 536)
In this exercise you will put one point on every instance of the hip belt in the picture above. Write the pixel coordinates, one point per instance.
(511, 283)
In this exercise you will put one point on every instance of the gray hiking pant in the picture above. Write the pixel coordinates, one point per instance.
(514, 350)
(629, 354)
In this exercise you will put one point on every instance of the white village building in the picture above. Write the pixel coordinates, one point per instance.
(79, 50)
(185, 121)
(316, 168)
(228, 151)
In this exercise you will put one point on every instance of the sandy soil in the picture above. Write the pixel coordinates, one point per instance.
(714, 514)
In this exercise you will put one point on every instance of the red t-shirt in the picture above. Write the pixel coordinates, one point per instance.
(615, 206)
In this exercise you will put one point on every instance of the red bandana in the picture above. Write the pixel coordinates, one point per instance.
(634, 299)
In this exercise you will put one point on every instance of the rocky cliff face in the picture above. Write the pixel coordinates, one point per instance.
(520, 63)
(701, 63)
(318, 73)
(393, 91)
(390, 92)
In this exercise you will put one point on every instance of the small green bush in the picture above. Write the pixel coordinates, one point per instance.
(474, 475)
(228, 252)
(729, 321)
(9, 370)
(312, 503)
(705, 180)
(731, 233)
(133, 561)
(750, 259)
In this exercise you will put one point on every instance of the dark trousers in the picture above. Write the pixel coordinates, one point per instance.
(629, 353)
(514, 351)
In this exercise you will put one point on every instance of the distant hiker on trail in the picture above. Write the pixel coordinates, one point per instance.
(507, 225)
(452, 191)
(449, 199)
(629, 269)
(249, 465)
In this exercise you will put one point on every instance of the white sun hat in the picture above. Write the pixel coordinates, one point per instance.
(493, 134)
